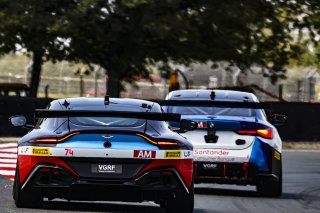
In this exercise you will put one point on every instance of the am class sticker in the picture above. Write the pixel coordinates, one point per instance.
(144, 154)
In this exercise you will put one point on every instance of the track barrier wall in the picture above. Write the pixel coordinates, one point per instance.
(303, 118)
(10, 106)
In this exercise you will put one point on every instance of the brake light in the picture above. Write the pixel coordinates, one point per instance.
(161, 143)
(54, 140)
(264, 133)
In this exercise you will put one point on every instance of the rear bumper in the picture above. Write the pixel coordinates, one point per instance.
(228, 173)
(259, 161)
(109, 192)
(57, 182)
(238, 173)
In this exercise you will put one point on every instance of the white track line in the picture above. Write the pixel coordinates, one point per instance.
(14, 150)
(8, 160)
(4, 172)
(8, 155)
(301, 150)
(8, 145)
(7, 165)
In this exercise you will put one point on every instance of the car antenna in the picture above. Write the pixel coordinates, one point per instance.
(213, 95)
(106, 100)
(147, 107)
(66, 103)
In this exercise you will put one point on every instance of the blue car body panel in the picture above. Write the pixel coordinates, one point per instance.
(260, 155)
(118, 141)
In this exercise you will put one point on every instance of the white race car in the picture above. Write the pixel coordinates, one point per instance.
(234, 142)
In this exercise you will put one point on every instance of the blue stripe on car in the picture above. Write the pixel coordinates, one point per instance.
(260, 155)
(96, 141)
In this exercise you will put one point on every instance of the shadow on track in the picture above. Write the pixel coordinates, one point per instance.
(226, 192)
(241, 193)
(99, 207)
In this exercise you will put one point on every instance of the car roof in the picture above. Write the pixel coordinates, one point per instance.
(220, 95)
(83, 101)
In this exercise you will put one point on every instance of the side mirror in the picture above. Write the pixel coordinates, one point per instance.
(187, 125)
(278, 120)
(18, 120)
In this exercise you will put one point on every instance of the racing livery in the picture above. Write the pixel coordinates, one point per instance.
(234, 142)
(104, 149)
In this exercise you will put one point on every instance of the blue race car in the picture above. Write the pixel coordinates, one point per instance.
(234, 142)
(104, 149)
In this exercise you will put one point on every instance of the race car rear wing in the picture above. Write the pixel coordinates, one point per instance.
(44, 113)
(205, 103)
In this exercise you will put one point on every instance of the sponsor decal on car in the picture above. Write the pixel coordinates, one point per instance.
(222, 155)
(172, 154)
(209, 166)
(103, 153)
(106, 168)
(216, 159)
(41, 151)
(144, 154)
(202, 124)
(277, 155)
(187, 154)
(211, 152)
(24, 150)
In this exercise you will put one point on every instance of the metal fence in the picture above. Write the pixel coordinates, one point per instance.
(60, 87)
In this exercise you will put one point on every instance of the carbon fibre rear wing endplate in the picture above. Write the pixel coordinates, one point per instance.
(44, 113)
(204, 103)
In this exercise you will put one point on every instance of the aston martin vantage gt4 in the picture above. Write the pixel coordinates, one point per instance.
(101, 149)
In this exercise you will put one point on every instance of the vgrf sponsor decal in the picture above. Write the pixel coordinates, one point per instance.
(209, 166)
(144, 154)
(277, 155)
(172, 154)
(106, 168)
(41, 151)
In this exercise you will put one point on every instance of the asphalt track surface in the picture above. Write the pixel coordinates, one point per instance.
(301, 194)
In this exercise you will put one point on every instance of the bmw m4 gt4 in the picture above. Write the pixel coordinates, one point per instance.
(104, 150)
(234, 142)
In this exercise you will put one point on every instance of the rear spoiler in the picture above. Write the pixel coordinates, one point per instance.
(45, 113)
(204, 103)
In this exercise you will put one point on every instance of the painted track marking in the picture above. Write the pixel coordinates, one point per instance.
(8, 159)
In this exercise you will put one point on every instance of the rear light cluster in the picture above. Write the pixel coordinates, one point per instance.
(160, 143)
(264, 133)
(54, 140)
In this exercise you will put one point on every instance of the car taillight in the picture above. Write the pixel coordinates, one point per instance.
(264, 133)
(161, 143)
(54, 140)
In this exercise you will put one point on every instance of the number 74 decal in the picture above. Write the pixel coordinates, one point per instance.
(69, 152)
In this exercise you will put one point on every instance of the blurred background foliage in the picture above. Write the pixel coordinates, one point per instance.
(127, 38)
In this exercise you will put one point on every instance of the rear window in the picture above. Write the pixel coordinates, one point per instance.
(212, 111)
(108, 121)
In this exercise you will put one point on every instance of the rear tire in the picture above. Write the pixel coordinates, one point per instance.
(182, 202)
(30, 198)
(270, 188)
